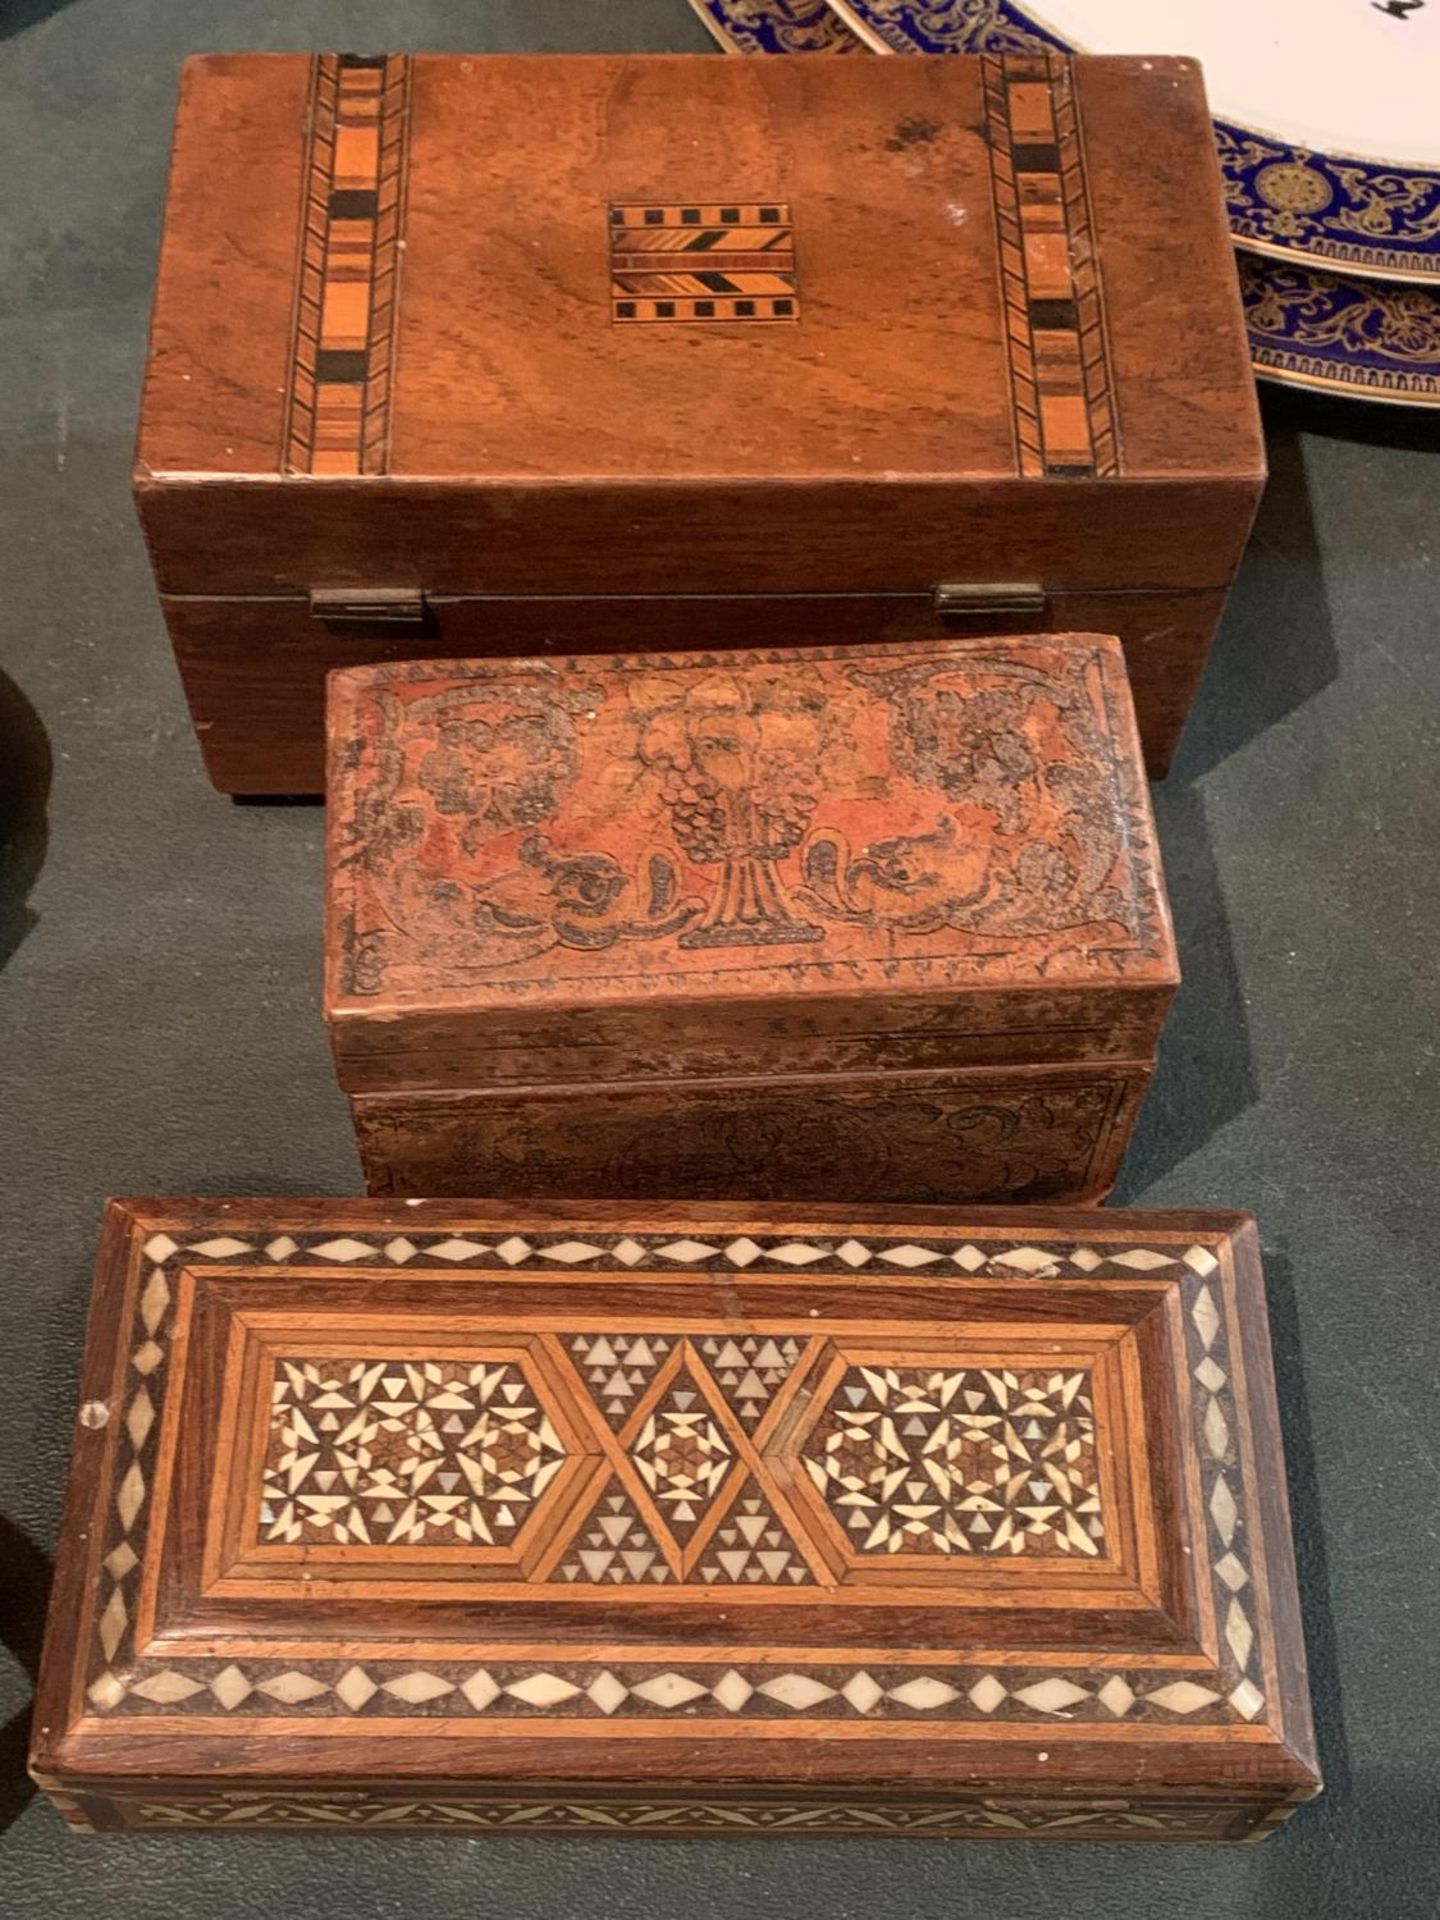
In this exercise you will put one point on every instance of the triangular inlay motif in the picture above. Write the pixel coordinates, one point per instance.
(748, 1368)
(751, 1547)
(617, 1368)
(613, 1546)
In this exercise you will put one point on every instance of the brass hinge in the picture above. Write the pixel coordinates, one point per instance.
(966, 600)
(368, 606)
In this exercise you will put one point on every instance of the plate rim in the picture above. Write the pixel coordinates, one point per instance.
(1309, 372)
(1338, 389)
(708, 11)
(1415, 266)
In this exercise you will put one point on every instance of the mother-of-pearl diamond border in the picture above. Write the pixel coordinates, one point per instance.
(774, 1685)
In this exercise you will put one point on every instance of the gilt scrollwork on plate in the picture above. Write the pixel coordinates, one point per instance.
(943, 26)
(1371, 338)
(1352, 213)
(1366, 214)
(777, 26)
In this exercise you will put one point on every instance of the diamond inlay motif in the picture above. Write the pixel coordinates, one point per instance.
(682, 1455)
(370, 1451)
(232, 1688)
(964, 1460)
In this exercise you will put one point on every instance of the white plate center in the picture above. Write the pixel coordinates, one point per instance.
(1333, 76)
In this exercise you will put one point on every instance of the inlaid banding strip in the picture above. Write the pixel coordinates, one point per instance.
(338, 411)
(711, 262)
(690, 1810)
(1054, 319)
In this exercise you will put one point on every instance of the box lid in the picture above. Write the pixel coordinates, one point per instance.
(548, 870)
(667, 323)
(446, 1496)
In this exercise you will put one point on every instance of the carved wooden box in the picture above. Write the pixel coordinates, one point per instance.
(526, 355)
(833, 923)
(697, 1518)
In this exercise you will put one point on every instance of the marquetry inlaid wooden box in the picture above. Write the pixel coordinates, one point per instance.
(507, 356)
(877, 923)
(702, 1518)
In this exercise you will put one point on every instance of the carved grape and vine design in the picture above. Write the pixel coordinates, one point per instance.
(741, 793)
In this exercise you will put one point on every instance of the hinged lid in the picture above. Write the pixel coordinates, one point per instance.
(550, 870)
(429, 1502)
(683, 324)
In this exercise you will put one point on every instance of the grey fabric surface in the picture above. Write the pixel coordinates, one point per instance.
(159, 1031)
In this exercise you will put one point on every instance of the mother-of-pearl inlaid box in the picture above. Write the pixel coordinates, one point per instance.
(520, 355)
(840, 923)
(711, 1518)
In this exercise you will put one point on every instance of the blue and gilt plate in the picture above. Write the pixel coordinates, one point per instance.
(1365, 339)
(1327, 111)
(780, 26)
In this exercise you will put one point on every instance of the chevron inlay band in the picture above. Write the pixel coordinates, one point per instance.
(338, 412)
(713, 262)
(1055, 325)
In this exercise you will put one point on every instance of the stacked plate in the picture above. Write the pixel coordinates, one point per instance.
(1328, 132)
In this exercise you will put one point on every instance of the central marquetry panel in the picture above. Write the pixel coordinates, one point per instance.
(908, 1459)
(703, 262)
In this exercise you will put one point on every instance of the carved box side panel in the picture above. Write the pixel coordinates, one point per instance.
(1017, 1135)
(591, 1808)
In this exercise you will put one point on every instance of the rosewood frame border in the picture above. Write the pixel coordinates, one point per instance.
(1204, 1274)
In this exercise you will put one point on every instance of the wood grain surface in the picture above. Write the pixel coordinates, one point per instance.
(263, 731)
(1003, 343)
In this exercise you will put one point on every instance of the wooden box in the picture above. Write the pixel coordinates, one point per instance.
(690, 1518)
(823, 923)
(953, 343)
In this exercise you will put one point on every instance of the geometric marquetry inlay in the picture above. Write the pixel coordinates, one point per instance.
(965, 1460)
(375, 1450)
(416, 1474)
(703, 263)
(775, 1459)
(682, 1455)
(996, 1818)
(911, 1461)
